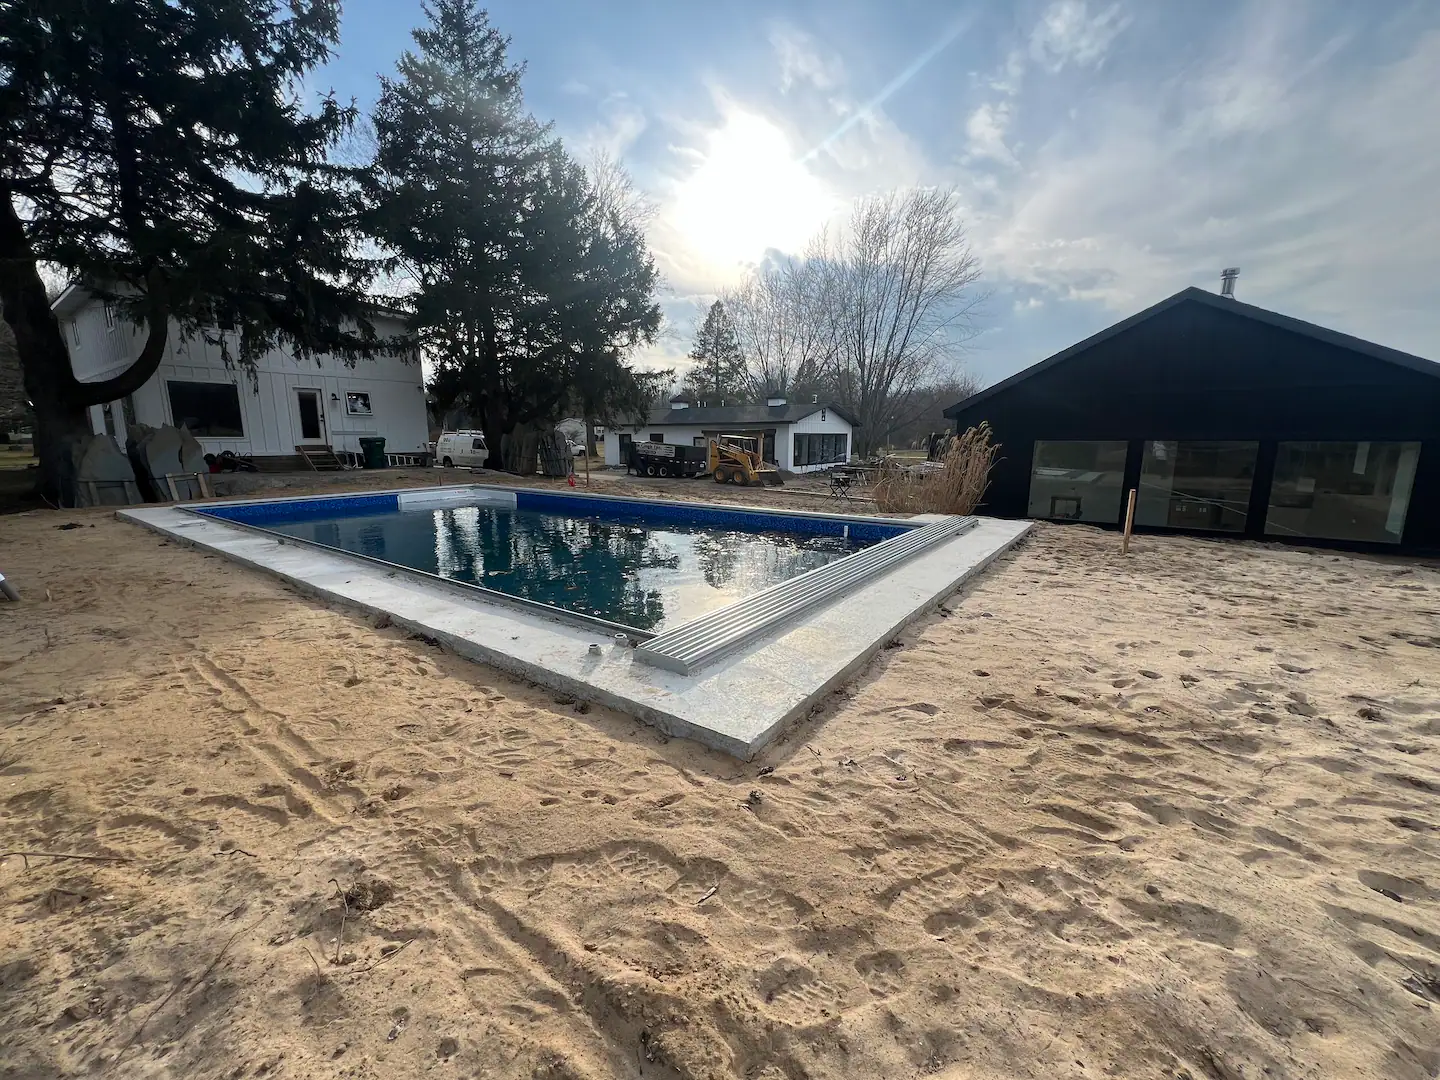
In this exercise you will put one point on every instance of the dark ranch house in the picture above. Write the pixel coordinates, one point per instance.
(1229, 420)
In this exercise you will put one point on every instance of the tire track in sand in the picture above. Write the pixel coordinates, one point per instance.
(268, 737)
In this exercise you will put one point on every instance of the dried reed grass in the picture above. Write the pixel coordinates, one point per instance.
(953, 485)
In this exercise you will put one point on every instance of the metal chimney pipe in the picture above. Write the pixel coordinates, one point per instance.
(1227, 281)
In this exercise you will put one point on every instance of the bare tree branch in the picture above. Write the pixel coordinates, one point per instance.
(874, 316)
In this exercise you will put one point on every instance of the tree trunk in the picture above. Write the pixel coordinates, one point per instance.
(59, 399)
(57, 425)
(44, 359)
(492, 422)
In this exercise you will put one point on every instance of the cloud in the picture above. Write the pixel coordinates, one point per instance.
(1011, 75)
(622, 123)
(744, 183)
(1297, 157)
(1068, 34)
(801, 62)
(740, 188)
(986, 133)
(1289, 140)
(918, 64)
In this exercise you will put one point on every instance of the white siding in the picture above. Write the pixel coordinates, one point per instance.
(97, 351)
(685, 434)
(822, 420)
(269, 412)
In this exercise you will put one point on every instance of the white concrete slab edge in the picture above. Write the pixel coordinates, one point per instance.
(738, 704)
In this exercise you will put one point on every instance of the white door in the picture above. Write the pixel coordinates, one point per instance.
(310, 406)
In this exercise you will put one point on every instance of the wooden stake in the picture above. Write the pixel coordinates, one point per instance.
(1129, 522)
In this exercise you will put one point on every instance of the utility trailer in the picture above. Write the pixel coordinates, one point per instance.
(667, 459)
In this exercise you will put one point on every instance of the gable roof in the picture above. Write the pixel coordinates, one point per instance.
(734, 415)
(1222, 303)
(77, 294)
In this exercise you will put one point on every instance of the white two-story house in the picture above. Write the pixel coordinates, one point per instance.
(288, 404)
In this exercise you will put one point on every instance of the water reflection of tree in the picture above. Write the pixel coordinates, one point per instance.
(578, 564)
(754, 561)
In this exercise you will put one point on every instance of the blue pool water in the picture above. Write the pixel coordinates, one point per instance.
(627, 569)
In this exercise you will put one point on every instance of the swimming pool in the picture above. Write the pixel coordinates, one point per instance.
(621, 564)
(791, 604)
(622, 567)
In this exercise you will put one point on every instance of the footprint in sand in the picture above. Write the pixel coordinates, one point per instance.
(1190, 920)
(1299, 705)
(775, 907)
(1401, 890)
(883, 972)
(796, 993)
(1075, 816)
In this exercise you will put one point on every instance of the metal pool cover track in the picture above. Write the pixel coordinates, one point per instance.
(732, 678)
(687, 648)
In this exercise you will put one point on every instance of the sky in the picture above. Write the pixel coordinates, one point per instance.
(1104, 154)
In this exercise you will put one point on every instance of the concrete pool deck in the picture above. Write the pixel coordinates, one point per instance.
(738, 704)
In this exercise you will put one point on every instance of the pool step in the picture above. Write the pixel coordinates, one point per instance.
(689, 647)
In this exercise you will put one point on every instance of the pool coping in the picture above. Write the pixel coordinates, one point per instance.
(737, 704)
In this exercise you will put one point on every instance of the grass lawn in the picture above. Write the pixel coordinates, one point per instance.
(16, 456)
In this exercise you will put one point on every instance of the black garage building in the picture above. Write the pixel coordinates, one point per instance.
(1227, 419)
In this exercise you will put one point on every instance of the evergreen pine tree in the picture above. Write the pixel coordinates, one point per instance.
(719, 372)
(163, 152)
(529, 287)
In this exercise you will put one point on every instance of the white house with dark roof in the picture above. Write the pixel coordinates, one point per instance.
(797, 436)
(289, 403)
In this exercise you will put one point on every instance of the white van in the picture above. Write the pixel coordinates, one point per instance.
(463, 448)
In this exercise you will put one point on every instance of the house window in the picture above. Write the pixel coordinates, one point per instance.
(700, 440)
(1342, 490)
(657, 436)
(357, 403)
(1077, 481)
(1196, 484)
(129, 409)
(109, 316)
(625, 441)
(821, 449)
(75, 331)
(209, 410)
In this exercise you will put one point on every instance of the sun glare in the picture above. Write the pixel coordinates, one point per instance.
(749, 193)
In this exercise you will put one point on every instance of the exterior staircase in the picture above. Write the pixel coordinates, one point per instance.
(320, 458)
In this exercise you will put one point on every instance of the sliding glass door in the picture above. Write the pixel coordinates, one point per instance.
(1077, 481)
(1196, 484)
(1342, 490)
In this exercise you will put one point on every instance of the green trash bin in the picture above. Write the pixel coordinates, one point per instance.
(374, 453)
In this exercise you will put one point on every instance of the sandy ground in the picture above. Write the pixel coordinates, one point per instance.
(1168, 816)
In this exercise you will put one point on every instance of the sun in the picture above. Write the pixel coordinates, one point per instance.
(748, 193)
